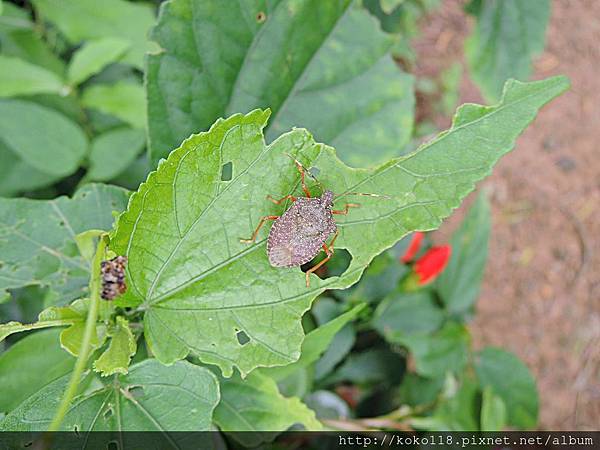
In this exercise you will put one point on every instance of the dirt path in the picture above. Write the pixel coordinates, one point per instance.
(541, 295)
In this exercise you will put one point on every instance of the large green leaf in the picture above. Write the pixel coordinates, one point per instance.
(323, 65)
(507, 35)
(201, 288)
(458, 285)
(152, 397)
(19, 77)
(37, 243)
(255, 404)
(43, 138)
(510, 380)
(89, 19)
(29, 365)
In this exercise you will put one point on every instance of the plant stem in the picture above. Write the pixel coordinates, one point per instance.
(90, 329)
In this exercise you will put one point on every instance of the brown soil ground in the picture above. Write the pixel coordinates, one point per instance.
(541, 293)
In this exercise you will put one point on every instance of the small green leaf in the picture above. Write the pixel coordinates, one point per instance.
(402, 313)
(315, 343)
(493, 411)
(29, 365)
(388, 6)
(20, 38)
(458, 413)
(255, 404)
(458, 285)
(182, 229)
(377, 366)
(510, 380)
(120, 350)
(112, 152)
(124, 100)
(18, 77)
(151, 397)
(507, 35)
(58, 144)
(71, 315)
(86, 243)
(93, 56)
(443, 351)
(37, 238)
(89, 19)
(337, 79)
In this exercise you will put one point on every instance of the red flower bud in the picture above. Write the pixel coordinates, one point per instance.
(413, 247)
(432, 263)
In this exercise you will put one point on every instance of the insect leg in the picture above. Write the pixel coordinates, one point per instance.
(301, 170)
(278, 202)
(345, 210)
(260, 224)
(329, 251)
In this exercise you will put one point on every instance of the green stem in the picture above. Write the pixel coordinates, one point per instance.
(90, 329)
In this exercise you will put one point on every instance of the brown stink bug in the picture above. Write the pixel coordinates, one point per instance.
(302, 231)
(113, 277)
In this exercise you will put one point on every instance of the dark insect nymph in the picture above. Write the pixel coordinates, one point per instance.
(113, 277)
(302, 231)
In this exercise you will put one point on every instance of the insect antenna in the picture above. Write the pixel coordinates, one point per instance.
(364, 194)
(307, 172)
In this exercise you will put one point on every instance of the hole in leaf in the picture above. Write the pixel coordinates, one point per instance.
(108, 413)
(61, 223)
(76, 430)
(314, 171)
(112, 445)
(335, 267)
(136, 391)
(261, 17)
(242, 337)
(227, 171)
(28, 444)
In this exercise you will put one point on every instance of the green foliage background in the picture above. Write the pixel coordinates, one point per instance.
(155, 101)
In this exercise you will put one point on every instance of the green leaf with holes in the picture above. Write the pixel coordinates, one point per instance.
(151, 397)
(323, 65)
(200, 287)
(315, 344)
(255, 405)
(507, 35)
(37, 239)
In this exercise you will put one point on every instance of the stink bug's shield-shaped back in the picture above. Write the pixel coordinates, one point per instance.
(300, 233)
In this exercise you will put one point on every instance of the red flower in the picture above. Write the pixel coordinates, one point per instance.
(413, 247)
(432, 263)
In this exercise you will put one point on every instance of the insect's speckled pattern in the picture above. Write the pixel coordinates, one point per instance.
(299, 234)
